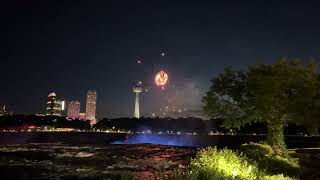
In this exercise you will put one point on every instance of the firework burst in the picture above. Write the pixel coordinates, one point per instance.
(161, 79)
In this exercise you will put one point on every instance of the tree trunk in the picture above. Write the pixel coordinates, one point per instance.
(275, 136)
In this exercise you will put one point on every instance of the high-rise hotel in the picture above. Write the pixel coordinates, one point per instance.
(91, 106)
(54, 106)
(74, 110)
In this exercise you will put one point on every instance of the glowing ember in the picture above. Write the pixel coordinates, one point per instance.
(161, 79)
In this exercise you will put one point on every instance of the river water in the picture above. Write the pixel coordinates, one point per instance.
(230, 141)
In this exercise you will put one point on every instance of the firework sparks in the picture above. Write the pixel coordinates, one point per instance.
(161, 79)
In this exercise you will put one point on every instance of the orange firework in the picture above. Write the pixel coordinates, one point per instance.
(161, 79)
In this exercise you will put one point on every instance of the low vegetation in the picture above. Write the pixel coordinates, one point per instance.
(268, 159)
(211, 163)
(252, 161)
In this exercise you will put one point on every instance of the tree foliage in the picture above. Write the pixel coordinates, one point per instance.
(286, 91)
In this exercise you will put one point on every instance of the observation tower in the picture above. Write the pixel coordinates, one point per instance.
(137, 89)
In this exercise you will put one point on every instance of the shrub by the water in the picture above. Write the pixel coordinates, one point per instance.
(255, 161)
(257, 150)
(211, 163)
(267, 160)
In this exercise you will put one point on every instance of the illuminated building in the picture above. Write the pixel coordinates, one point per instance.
(91, 106)
(53, 105)
(137, 90)
(3, 111)
(64, 108)
(73, 110)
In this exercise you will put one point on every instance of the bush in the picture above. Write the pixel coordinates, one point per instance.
(256, 150)
(211, 163)
(267, 160)
(214, 164)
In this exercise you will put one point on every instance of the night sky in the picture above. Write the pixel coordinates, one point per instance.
(70, 47)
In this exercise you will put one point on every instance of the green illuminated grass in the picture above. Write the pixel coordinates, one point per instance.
(211, 163)
(254, 161)
(267, 160)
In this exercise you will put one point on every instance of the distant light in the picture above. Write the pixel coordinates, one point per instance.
(139, 82)
(52, 94)
(139, 62)
(63, 105)
(163, 54)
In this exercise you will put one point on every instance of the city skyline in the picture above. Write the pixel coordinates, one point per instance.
(55, 107)
(74, 109)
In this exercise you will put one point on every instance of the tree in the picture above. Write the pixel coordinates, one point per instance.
(286, 91)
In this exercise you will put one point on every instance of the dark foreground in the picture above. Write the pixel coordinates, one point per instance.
(140, 161)
(58, 161)
(73, 155)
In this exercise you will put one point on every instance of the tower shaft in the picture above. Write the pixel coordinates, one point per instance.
(137, 106)
(137, 89)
